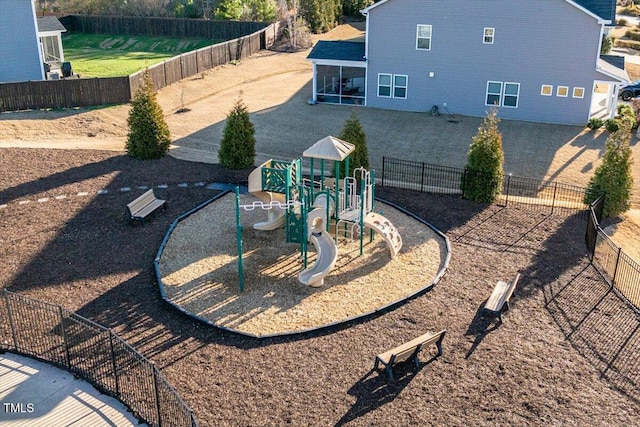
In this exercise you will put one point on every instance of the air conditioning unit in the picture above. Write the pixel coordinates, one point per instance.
(54, 75)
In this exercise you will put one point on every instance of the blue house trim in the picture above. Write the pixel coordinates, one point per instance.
(338, 51)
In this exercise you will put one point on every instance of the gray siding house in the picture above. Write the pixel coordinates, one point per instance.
(20, 47)
(535, 60)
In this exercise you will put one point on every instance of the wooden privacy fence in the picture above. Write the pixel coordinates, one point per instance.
(70, 93)
(161, 27)
(64, 93)
(197, 61)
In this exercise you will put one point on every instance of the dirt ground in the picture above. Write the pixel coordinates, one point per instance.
(567, 353)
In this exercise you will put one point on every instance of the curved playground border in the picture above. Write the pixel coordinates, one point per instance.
(228, 188)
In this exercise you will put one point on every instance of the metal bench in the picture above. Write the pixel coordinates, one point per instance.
(409, 350)
(498, 302)
(144, 205)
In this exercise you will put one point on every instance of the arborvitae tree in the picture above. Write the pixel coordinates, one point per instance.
(352, 8)
(322, 15)
(238, 147)
(149, 136)
(229, 9)
(483, 177)
(353, 133)
(613, 177)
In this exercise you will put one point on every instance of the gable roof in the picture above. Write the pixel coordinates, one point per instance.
(604, 9)
(49, 24)
(615, 60)
(338, 50)
(611, 70)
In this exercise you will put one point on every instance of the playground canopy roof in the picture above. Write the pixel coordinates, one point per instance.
(329, 148)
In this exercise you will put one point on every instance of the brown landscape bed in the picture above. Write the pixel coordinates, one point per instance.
(567, 353)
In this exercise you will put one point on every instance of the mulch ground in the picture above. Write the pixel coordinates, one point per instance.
(567, 353)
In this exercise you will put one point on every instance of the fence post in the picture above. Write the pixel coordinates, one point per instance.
(383, 158)
(422, 178)
(114, 364)
(615, 269)
(156, 392)
(463, 183)
(193, 418)
(553, 201)
(13, 327)
(506, 199)
(64, 337)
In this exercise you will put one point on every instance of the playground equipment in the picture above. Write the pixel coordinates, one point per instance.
(311, 209)
(275, 202)
(326, 249)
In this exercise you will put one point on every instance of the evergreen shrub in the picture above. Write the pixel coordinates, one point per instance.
(149, 136)
(238, 146)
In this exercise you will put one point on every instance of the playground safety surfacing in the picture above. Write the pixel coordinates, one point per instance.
(198, 272)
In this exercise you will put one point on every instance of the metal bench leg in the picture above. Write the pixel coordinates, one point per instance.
(416, 360)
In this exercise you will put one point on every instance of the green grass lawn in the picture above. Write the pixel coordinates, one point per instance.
(102, 55)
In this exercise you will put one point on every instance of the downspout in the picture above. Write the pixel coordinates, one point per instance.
(315, 86)
(366, 56)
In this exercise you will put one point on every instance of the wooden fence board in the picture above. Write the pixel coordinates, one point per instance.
(172, 70)
(204, 59)
(189, 64)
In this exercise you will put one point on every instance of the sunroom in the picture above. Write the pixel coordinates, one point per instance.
(339, 72)
(50, 35)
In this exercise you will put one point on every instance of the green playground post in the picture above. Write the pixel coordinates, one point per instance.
(363, 202)
(312, 175)
(373, 198)
(239, 240)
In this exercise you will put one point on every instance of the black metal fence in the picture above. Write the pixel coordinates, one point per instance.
(56, 335)
(615, 266)
(551, 196)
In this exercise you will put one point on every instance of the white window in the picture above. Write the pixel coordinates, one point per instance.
(392, 86)
(494, 93)
(562, 91)
(384, 85)
(578, 92)
(400, 86)
(547, 90)
(511, 94)
(488, 35)
(502, 94)
(423, 37)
